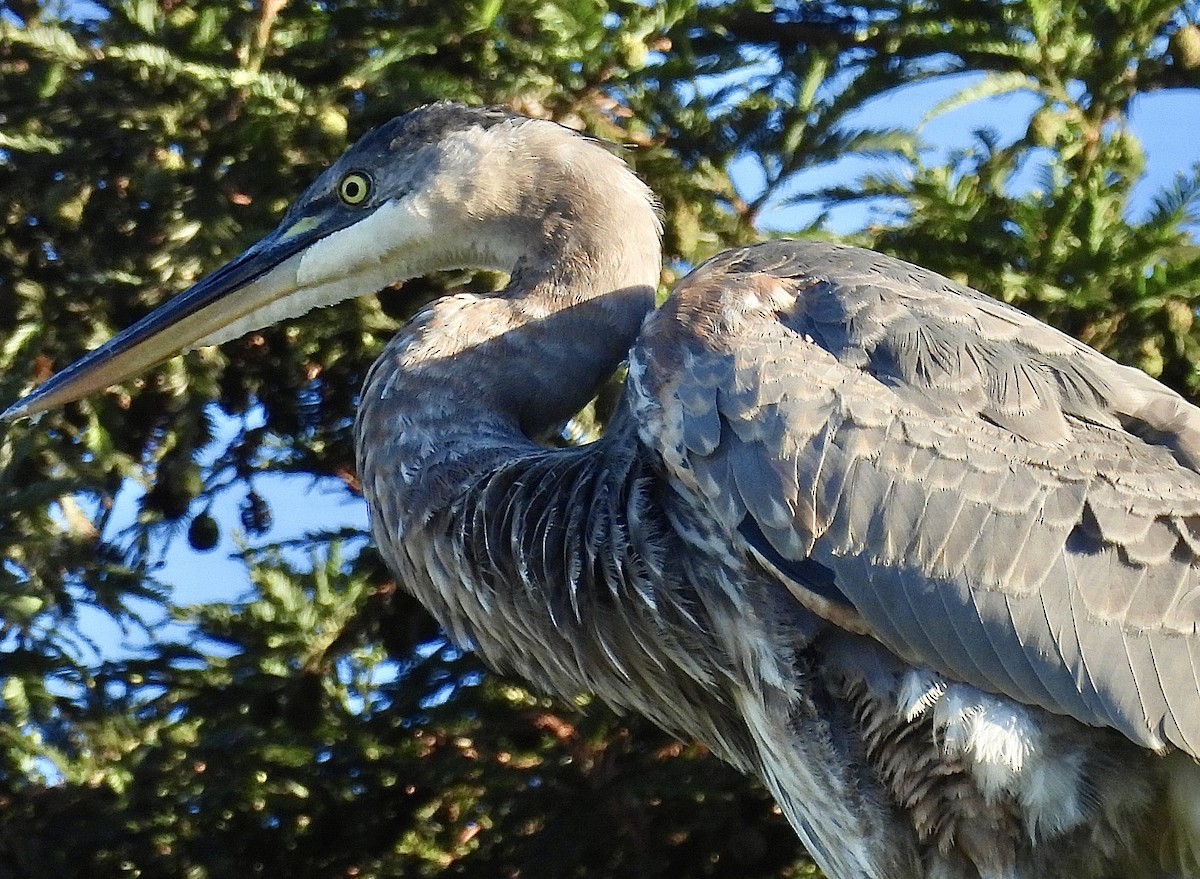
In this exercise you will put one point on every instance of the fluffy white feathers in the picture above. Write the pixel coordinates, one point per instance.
(1004, 746)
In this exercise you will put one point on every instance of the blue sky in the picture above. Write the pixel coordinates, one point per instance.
(1168, 124)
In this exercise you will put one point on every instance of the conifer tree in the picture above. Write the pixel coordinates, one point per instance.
(322, 726)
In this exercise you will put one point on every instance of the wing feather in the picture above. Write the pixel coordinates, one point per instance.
(1177, 681)
(991, 498)
(962, 646)
(1021, 645)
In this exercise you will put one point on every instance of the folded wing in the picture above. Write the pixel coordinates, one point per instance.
(981, 493)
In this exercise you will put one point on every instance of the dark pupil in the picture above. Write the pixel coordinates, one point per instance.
(353, 189)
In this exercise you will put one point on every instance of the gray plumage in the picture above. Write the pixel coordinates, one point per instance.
(924, 565)
(947, 447)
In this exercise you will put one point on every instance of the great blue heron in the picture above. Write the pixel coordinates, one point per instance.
(927, 567)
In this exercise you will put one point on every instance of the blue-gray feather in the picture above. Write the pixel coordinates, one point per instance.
(960, 467)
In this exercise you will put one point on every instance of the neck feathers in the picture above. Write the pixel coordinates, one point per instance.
(474, 377)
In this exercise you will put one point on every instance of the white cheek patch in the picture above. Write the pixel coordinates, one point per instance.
(372, 242)
(397, 241)
(351, 262)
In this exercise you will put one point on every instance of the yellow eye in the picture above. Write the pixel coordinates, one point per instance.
(354, 188)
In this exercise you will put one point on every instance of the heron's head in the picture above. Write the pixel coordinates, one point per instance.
(444, 186)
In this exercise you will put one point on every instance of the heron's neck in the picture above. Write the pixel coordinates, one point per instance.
(477, 378)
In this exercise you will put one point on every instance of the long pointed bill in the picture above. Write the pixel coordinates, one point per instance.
(262, 277)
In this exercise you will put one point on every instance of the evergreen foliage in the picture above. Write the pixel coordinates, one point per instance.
(322, 727)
